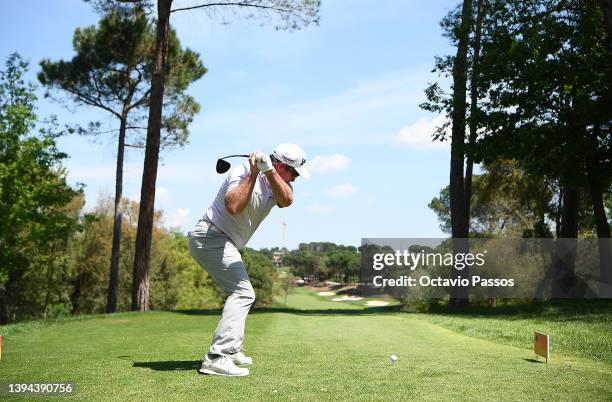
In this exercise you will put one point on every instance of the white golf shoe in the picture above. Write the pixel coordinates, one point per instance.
(240, 358)
(222, 365)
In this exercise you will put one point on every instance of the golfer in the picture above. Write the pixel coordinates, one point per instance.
(243, 201)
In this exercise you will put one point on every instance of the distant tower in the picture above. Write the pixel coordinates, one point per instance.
(283, 235)
(277, 256)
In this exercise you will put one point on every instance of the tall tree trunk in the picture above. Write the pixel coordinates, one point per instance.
(142, 256)
(50, 272)
(606, 9)
(459, 294)
(75, 296)
(113, 282)
(4, 318)
(603, 228)
(564, 279)
(473, 112)
(601, 221)
(559, 212)
(6, 294)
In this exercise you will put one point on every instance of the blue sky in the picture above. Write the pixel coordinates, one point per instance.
(347, 91)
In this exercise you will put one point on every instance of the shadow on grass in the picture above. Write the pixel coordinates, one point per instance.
(259, 310)
(170, 365)
(561, 310)
(534, 361)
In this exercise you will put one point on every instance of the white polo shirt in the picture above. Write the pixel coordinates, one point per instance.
(240, 227)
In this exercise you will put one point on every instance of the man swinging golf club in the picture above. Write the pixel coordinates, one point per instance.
(245, 198)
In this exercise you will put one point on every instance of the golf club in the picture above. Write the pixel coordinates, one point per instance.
(223, 165)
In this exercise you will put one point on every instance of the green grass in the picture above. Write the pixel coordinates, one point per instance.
(576, 328)
(313, 354)
(305, 298)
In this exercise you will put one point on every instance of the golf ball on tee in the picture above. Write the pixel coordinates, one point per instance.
(393, 358)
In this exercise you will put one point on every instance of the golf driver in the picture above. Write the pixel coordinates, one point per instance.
(223, 165)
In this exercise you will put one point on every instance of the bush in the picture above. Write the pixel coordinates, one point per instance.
(262, 274)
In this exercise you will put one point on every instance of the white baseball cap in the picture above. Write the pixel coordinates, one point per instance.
(294, 156)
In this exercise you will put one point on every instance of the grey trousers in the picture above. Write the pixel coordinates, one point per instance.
(214, 251)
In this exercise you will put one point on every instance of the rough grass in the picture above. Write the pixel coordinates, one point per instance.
(576, 328)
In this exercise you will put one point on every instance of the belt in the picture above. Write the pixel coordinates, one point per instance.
(210, 226)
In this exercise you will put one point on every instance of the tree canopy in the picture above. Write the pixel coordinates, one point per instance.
(36, 214)
(112, 69)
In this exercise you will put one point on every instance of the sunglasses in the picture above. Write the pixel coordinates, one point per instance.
(292, 170)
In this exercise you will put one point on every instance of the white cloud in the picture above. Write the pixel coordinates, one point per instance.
(161, 194)
(419, 135)
(178, 218)
(319, 209)
(329, 163)
(342, 190)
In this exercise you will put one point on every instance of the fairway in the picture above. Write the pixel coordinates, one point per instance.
(299, 355)
(305, 298)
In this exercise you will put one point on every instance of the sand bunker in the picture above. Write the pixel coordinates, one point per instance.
(326, 293)
(376, 303)
(347, 298)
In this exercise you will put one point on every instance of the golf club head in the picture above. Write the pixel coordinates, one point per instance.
(223, 166)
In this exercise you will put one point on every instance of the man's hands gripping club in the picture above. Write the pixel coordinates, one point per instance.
(264, 163)
(237, 199)
(283, 193)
